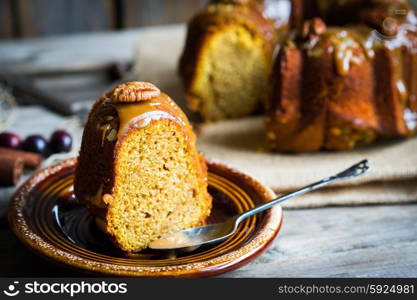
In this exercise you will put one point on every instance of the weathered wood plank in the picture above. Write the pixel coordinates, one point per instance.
(43, 17)
(368, 241)
(155, 12)
(6, 25)
(70, 53)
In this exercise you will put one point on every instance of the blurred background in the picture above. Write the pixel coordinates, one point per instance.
(40, 18)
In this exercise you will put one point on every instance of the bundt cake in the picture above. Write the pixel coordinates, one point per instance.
(227, 59)
(138, 168)
(344, 79)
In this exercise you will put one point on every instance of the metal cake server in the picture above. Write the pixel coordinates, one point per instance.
(191, 239)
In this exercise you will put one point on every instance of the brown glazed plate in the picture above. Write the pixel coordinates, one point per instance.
(46, 217)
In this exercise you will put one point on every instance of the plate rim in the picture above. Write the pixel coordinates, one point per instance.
(211, 267)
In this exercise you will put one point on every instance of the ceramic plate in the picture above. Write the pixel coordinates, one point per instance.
(45, 216)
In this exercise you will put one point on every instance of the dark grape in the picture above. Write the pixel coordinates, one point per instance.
(60, 141)
(10, 140)
(36, 144)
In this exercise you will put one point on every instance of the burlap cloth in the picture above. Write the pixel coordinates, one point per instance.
(393, 177)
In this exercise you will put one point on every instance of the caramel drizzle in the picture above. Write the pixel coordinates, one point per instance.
(139, 115)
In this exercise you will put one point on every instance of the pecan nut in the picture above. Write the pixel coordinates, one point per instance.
(134, 91)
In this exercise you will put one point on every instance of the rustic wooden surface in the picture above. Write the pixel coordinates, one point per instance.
(6, 26)
(36, 18)
(44, 17)
(144, 13)
(362, 241)
(368, 241)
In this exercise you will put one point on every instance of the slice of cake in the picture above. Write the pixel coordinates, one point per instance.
(227, 59)
(139, 171)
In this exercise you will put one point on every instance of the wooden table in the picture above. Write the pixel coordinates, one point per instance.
(364, 241)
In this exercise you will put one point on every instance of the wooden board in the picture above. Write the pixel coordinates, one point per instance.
(6, 26)
(368, 241)
(34, 18)
(155, 12)
(29, 18)
(44, 17)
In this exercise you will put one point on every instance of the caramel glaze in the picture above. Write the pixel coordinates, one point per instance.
(343, 88)
(216, 16)
(137, 115)
(124, 118)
